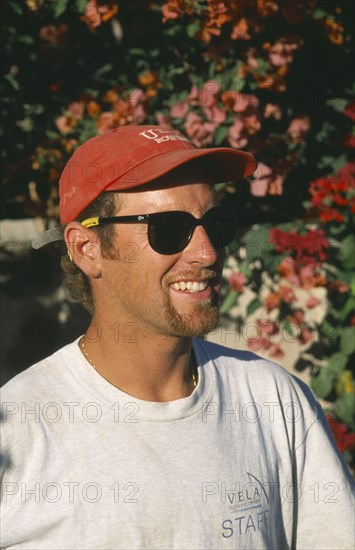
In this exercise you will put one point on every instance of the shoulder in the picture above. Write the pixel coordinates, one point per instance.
(248, 369)
(41, 378)
(230, 358)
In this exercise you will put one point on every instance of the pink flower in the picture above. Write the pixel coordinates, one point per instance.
(272, 110)
(276, 186)
(138, 114)
(267, 8)
(260, 183)
(76, 110)
(286, 294)
(237, 280)
(281, 53)
(297, 318)
(215, 114)
(96, 14)
(208, 96)
(136, 96)
(243, 101)
(252, 124)
(163, 120)
(240, 30)
(276, 352)
(237, 135)
(267, 328)
(251, 58)
(194, 95)
(179, 110)
(307, 276)
(271, 301)
(287, 269)
(54, 34)
(305, 336)
(169, 13)
(298, 129)
(201, 133)
(312, 302)
(106, 122)
(64, 125)
(259, 343)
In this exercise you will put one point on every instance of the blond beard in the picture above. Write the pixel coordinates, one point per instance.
(204, 319)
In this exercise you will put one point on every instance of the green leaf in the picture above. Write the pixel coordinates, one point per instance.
(322, 384)
(337, 362)
(337, 229)
(81, 5)
(347, 308)
(347, 340)
(229, 302)
(348, 456)
(172, 31)
(257, 243)
(192, 29)
(51, 135)
(253, 306)
(328, 331)
(104, 69)
(334, 163)
(59, 7)
(220, 134)
(319, 13)
(347, 251)
(338, 104)
(15, 5)
(26, 39)
(13, 82)
(344, 408)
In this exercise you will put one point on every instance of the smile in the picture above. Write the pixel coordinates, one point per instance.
(190, 286)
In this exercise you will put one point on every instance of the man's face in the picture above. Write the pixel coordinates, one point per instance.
(175, 295)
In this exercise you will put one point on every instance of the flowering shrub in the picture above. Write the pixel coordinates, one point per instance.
(269, 76)
(301, 289)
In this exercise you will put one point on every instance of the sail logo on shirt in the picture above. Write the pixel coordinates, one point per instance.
(239, 496)
(248, 504)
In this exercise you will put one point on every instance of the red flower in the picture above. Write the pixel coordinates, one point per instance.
(331, 214)
(350, 110)
(350, 141)
(309, 247)
(344, 440)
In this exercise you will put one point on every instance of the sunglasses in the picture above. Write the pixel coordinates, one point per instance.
(170, 232)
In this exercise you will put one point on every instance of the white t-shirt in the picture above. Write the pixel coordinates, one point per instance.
(246, 461)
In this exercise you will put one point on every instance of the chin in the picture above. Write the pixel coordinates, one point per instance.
(198, 323)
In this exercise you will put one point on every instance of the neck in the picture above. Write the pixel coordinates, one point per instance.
(154, 368)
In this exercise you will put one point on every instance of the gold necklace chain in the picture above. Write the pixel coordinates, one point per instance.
(83, 349)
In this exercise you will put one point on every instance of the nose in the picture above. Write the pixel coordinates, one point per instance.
(200, 250)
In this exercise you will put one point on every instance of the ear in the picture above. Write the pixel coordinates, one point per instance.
(84, 248)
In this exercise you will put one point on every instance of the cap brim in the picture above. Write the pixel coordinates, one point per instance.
(224, 164)
(48, 237)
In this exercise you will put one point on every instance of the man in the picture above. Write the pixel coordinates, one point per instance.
(139, 434)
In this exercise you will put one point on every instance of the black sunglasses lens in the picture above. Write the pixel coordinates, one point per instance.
(169, 232)
(220, 224)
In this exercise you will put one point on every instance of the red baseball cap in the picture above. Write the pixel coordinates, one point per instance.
(131, 156)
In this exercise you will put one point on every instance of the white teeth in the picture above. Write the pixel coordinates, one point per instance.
(190, 286)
